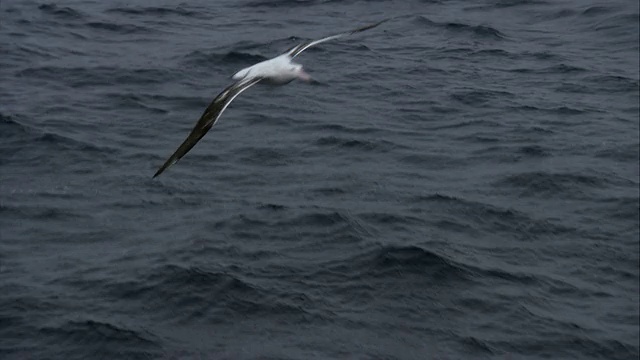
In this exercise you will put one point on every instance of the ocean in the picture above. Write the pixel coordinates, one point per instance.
(460, 182)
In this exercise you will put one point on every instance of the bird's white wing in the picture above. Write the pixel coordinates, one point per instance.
(296, 50)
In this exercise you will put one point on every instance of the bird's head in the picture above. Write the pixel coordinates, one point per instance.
(300, 73)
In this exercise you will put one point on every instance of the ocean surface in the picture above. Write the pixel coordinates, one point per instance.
(460, 183)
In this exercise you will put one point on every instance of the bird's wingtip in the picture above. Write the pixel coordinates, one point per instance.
(160, 171)
(165, 166)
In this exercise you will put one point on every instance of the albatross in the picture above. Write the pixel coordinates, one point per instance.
(279, 70)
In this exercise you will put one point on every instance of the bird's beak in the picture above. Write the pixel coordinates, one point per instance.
(302, 75)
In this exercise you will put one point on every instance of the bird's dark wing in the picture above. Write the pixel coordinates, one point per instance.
(208, 119)
(296, 50)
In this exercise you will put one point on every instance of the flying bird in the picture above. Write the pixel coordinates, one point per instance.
(279, 70)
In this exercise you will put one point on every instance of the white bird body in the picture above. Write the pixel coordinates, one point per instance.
(279, 70)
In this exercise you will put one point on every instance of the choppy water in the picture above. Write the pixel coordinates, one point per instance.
(462, 184)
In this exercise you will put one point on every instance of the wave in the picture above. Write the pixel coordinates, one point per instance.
(317, 226)
(514, 3)
(336, 226)
(596, 10)
(272, 207)
(394, 261)
(485, 218)
(204, 59)
(481, 31)
(560, 110)
(79, 77)
(68, 14)
(491, 53)
(618, 24)
(130, 100)
(32, 51)
(552, 184)
(478, 30)
(235, 56)
(330, 191)
(555, 69)
(318, 219)
(114, 340)
(433, 160)
(68, 142)
(502, 53)
(124, 29)
(263, 156)
(280, 3)
(335, 141)
(95, 332)
(567, 345)
(43, 212)
(544, 180)
(475, 346)
(613, 83)
(13, 131)
(338, 128)
(534, 151)
(192, 290)
(10, 128)
(467, 123)
(156, 11)
(621, 152)
(516, 152)
(60, 11)
(389, 219)
(623, 208)
(412, 259)
(480, 97)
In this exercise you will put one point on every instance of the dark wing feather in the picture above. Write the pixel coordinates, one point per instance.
(208, 119)
(296, 50)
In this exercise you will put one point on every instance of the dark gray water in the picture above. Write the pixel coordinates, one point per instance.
(463, 182)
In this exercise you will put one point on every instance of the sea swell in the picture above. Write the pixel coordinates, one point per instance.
(460, 182)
